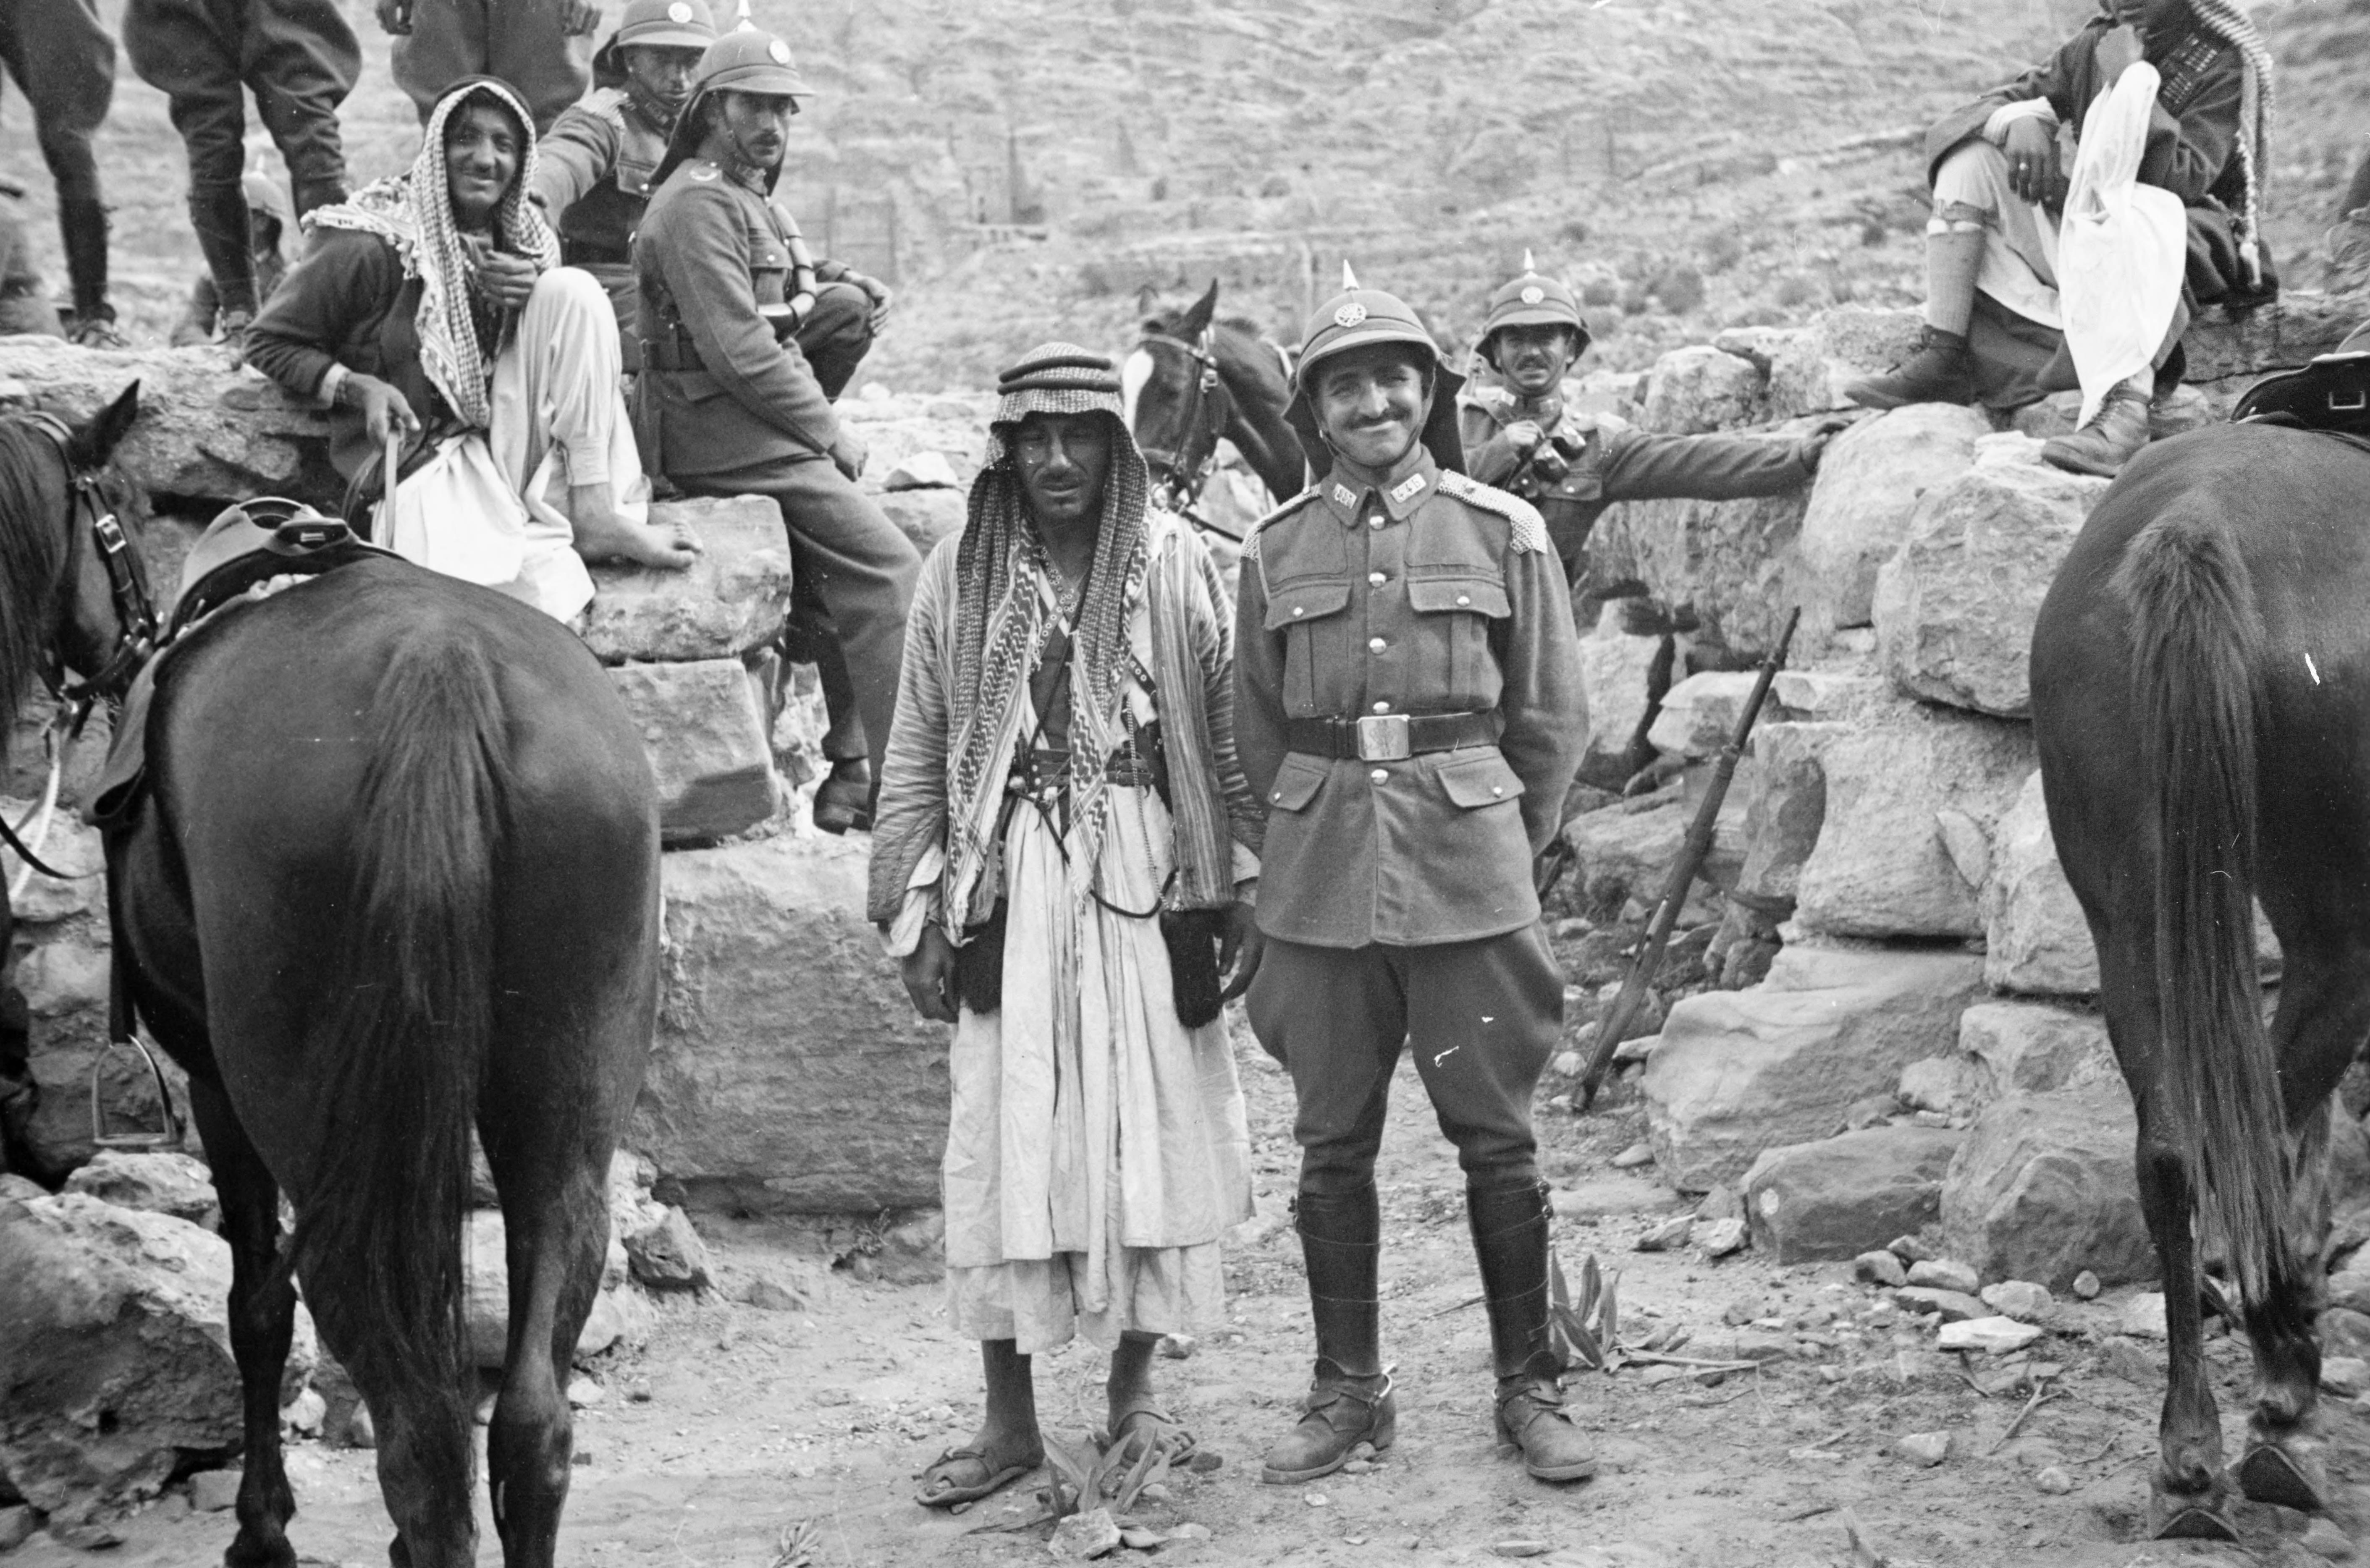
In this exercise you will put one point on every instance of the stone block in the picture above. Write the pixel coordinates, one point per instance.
(1625, 851)
(735, 598)
(2027, 1047)
(922, 470)
(1615, 666)
(1883, 866)
(158, 1181)
(1955, 605)
(1741, 1071)
(926, 516)
(1700, 388)
(789, 1073)
(204, 431)
(1699, 713)
(1785, 808)
(26, 767)
(2037, 942)
(2043, 1189)
(1866, 494)
(1809, 370)
(2294, 331)
(704, 726)
(116, 1369)
(668, 1254)
(1833, 696)
(1840, 1196)
(1727, 559)
(1952, 1086)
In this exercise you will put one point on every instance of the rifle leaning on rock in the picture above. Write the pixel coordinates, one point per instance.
(1635, 985)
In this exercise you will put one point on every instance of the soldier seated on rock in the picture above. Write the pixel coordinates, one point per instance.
(732, 406)
(1519, 436)
(271, 236)
(432, 307)
(1994, 330)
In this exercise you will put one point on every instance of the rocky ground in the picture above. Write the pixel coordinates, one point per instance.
(733, 1424)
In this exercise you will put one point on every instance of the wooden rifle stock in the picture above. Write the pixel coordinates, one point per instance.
(1635, 985)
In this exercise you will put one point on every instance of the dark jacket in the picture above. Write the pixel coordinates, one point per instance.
(2192, 136)
(723, 401)
(593, 176)
(1425, 594)
(347, 302)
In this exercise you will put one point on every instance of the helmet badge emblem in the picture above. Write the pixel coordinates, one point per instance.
(780, 52)
(1534, 295)
(679, 13)
(1350, 314)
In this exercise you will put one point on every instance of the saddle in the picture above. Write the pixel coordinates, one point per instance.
(2331, 395)
(247, 546)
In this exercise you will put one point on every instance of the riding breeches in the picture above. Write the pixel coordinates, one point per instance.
(1482, 1018)
(59, 55)
(520, 43)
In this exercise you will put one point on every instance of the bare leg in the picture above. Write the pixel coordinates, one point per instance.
(602, 534)
(1008, 1439)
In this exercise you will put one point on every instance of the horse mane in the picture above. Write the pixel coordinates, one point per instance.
(32, 557)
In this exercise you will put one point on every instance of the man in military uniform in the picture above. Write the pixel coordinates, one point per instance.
(732, 406)
(1407, 706)
(593, 179)
(1573, 465)
(299, 58)
(61, 58)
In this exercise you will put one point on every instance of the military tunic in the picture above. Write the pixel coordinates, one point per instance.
(1397, 893)
(1615, 463)
(727, 410)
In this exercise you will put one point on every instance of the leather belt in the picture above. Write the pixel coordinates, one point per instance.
(1390, 738)
(585, 253)
(667, 352)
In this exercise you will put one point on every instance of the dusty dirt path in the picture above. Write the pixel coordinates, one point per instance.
(733, 1423)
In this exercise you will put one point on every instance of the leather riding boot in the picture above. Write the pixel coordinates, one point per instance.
(1350, 1400)
(1941, 371)
(2113, 435)
(83, 221)
(218, 212)
(1509, 1237)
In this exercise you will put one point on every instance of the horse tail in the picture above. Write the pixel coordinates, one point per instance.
(2197, 640)
(402, 1044)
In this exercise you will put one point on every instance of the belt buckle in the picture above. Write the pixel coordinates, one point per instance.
(1383, 737)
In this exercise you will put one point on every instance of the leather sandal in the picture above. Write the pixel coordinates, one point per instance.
(1165, 1431)
(1341, 1413)
(954, 1495)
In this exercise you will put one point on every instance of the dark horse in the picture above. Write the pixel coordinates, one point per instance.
(1193, 378)
(2201, 695)
(397, 878)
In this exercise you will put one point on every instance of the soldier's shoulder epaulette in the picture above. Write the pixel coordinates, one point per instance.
(1530, 529)
(1251, 536)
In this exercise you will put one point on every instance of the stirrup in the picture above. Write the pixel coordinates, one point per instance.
(167, 1136)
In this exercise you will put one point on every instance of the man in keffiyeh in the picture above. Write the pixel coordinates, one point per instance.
(1996, 324)
(1064, 837)
(432, 307)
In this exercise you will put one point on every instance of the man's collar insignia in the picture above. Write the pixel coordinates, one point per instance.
(1343, 496)
(1350, 314)
(1406, 487)
(1534, 295)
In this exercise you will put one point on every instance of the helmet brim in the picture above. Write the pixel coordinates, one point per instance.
(766, 81)
(667, 35)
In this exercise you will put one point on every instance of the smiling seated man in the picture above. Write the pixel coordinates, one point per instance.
(430, 308)
(1520, 438)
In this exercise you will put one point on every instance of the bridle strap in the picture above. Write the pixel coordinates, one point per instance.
(127, 578)
(1182, 485)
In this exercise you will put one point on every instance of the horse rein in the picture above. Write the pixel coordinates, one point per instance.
(1182, 476)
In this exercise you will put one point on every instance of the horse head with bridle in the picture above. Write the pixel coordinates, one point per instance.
(2200, 701)
(391, 881)
(1193, 379)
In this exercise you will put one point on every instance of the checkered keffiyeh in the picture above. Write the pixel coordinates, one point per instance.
(413, 211)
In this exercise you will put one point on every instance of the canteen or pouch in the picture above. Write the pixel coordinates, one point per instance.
(979, 963)
(1193, 937)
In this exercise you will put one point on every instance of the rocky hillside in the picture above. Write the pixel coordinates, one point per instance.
(1031, 166)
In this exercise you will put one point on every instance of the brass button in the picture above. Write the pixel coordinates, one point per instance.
(1379, 775)
(1275, 795)
(1297, 611)
(1376, 645)
(1377, 579)
(1497, 789)
(1382, 707)
(1463, 598)
(1375, 521)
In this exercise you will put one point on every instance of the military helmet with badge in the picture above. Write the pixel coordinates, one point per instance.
(748, 61)
(665, 24)
(1360, 318)
(1533, 299)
